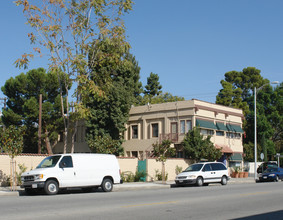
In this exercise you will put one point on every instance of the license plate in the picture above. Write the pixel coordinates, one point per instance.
(34, 186)
(180, 181)
(265, 177)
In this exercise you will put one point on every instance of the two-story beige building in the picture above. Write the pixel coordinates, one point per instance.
(153, 123)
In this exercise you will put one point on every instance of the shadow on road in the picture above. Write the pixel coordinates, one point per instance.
(62, 192)
(269, 215)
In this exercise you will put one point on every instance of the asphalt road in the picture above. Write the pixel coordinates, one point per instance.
(239, 201)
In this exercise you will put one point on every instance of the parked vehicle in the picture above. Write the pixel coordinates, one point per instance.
(272, 174)
(73, 170)
(203, 174)
(265, 165)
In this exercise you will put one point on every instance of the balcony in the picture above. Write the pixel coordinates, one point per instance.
(174, 137)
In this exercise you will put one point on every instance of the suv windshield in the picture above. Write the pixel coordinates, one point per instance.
(194, 167)
(49, 162)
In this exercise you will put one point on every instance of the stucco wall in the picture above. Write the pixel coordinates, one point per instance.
(170, 167)
(30, 161)
(126, 164)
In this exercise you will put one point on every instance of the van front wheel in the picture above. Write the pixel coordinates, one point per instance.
(107, 185)
(51, 187)
(199, 181)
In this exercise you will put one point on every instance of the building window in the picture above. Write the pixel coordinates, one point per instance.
(219, 133)
(174, 126)
(134, 154)
(233, 135)
(134, 131)
(189, 126)
(154, 130)
(182, 127)
(206, 132)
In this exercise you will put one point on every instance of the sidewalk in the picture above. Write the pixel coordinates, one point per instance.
(6, 191)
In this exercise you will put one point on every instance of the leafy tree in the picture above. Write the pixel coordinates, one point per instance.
(105, 145)
(198, 147)
(276, 117)
(11, 141)
(161, 98)
(269, 121)
(238, 91)
(238, 88)
(108, 116)
(68, 30)
(162, 152)
(153, 86)
(23, 93)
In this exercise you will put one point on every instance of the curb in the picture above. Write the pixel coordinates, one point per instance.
(5, 191)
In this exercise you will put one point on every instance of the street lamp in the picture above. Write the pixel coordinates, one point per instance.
(255, 144)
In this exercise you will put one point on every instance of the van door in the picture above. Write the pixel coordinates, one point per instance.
(66, 175)
(219, 170)
(208, 174)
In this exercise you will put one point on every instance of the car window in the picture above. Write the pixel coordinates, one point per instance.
(50, 161)
(218, 166)
(207, 167)
(194, 167)
(270, 170)
(67, 160)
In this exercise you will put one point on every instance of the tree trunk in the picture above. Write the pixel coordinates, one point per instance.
(163, 172)
(65, 137)
(73, 137)
(47, 143)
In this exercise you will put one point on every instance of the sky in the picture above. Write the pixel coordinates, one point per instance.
(190, 44)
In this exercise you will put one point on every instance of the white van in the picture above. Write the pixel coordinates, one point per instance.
(63, 171)
(203, 174)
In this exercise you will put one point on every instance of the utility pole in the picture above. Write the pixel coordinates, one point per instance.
(39, 124)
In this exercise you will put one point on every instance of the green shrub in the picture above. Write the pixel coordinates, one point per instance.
(128, 176)
(178, 170)
(158, 175)
(23, 169)
(140, 176)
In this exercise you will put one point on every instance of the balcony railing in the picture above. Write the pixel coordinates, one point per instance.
(174, 137)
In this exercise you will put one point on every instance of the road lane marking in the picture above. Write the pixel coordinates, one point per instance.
(254, 194)
(149, 204)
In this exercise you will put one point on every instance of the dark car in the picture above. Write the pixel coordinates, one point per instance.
(266, 165)
(272, 174)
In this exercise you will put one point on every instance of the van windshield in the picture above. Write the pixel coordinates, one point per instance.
(49, 162)
(194, 167)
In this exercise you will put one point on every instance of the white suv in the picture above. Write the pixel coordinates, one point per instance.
(203, 174)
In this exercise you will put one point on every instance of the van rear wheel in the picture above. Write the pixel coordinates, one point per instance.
(107, 185)
(224, 180)
(51, 187)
